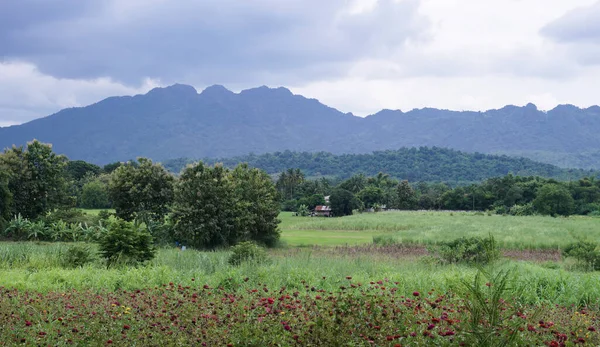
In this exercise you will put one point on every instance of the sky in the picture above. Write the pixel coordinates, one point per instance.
(358, 56)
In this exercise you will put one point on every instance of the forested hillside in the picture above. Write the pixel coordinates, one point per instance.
(414, 164)
(177, 122)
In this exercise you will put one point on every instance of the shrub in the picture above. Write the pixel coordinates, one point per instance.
(585, 252)
(104, 215)
(472, 250)
(522, 210)
(247, 252)
(77, 256)
(126, 242)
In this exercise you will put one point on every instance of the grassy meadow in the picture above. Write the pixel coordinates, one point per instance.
(344, 291)
(532, 232)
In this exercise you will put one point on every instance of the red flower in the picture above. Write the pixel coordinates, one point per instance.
(416, 293)
(287, 327)
(348, 277)
(592, 329)
(27, 323)
(126, 327)
(271, 301)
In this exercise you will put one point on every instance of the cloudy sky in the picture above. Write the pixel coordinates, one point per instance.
(356, 55)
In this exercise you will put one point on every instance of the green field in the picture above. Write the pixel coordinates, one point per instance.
(307, 295)
(535, 232)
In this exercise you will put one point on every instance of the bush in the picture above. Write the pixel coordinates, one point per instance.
(472, 250)
(77, 256)
(126, 242)
(247, 252)
(585, 252)
(522, 210)
(303, 211)
(104, 215)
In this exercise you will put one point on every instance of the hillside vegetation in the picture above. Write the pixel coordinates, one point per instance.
(413, 164)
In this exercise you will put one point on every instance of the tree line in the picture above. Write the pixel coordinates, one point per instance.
(204, 207)
(502, 195)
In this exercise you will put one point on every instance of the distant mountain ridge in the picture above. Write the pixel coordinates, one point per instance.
(177, 121)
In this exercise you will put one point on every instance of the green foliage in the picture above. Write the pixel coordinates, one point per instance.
(127, 243)
(215, 207)
(35, 179)
(288, 182)
(554, 199)
(205, 210)
(406, 197)
(471, 250)
(343, 202)
(257, 206)
(77, 256)
(303, 211)
(426, 164)
(247, 252)
(522, 210)
(94, 195)
(143, 188)
(371, 196)
(18, 228)
(78, 169)
(71, 216)
(487, 311)
(586, 253)
(104, 215)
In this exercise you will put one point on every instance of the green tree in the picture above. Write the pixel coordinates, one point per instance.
(94, 194)
(258, 207)
(343, 202)
(5, 200)
(145, 189)
(126, 242)
(354, 184)
(35, 179)
(406, 196)
(371, 196)
(205, 213)
(554, 199)
(77, 169)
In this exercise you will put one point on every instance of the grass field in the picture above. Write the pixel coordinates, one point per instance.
(319, 296)
(534, 232)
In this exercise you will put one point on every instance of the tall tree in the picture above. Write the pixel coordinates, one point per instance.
(139, 190)
(407, 198)
(554, 199)
(258, 207)
(205, 212)
(343, 202)
(36, 179)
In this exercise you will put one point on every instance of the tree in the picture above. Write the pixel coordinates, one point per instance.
(205, 213)
(343, 202)
(94, 194)
(35, 179)
(554, 199)
(371, 196)
(406, 196)
(354, 184)
(5, 200)
(258, 207)
(143, 189)
(77, 169)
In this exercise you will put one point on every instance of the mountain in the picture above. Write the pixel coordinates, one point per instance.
(177, 121)
(414, 164)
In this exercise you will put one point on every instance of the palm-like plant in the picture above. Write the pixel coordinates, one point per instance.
(37, 231)
(18, 228)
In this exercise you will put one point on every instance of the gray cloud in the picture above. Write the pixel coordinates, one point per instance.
(212, 41)
(580, 25)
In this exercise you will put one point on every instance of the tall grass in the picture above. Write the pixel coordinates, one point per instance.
(37, 267)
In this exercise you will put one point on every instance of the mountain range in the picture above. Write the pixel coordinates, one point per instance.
(177, 121)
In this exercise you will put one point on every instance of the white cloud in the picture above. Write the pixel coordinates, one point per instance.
(26, 93)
